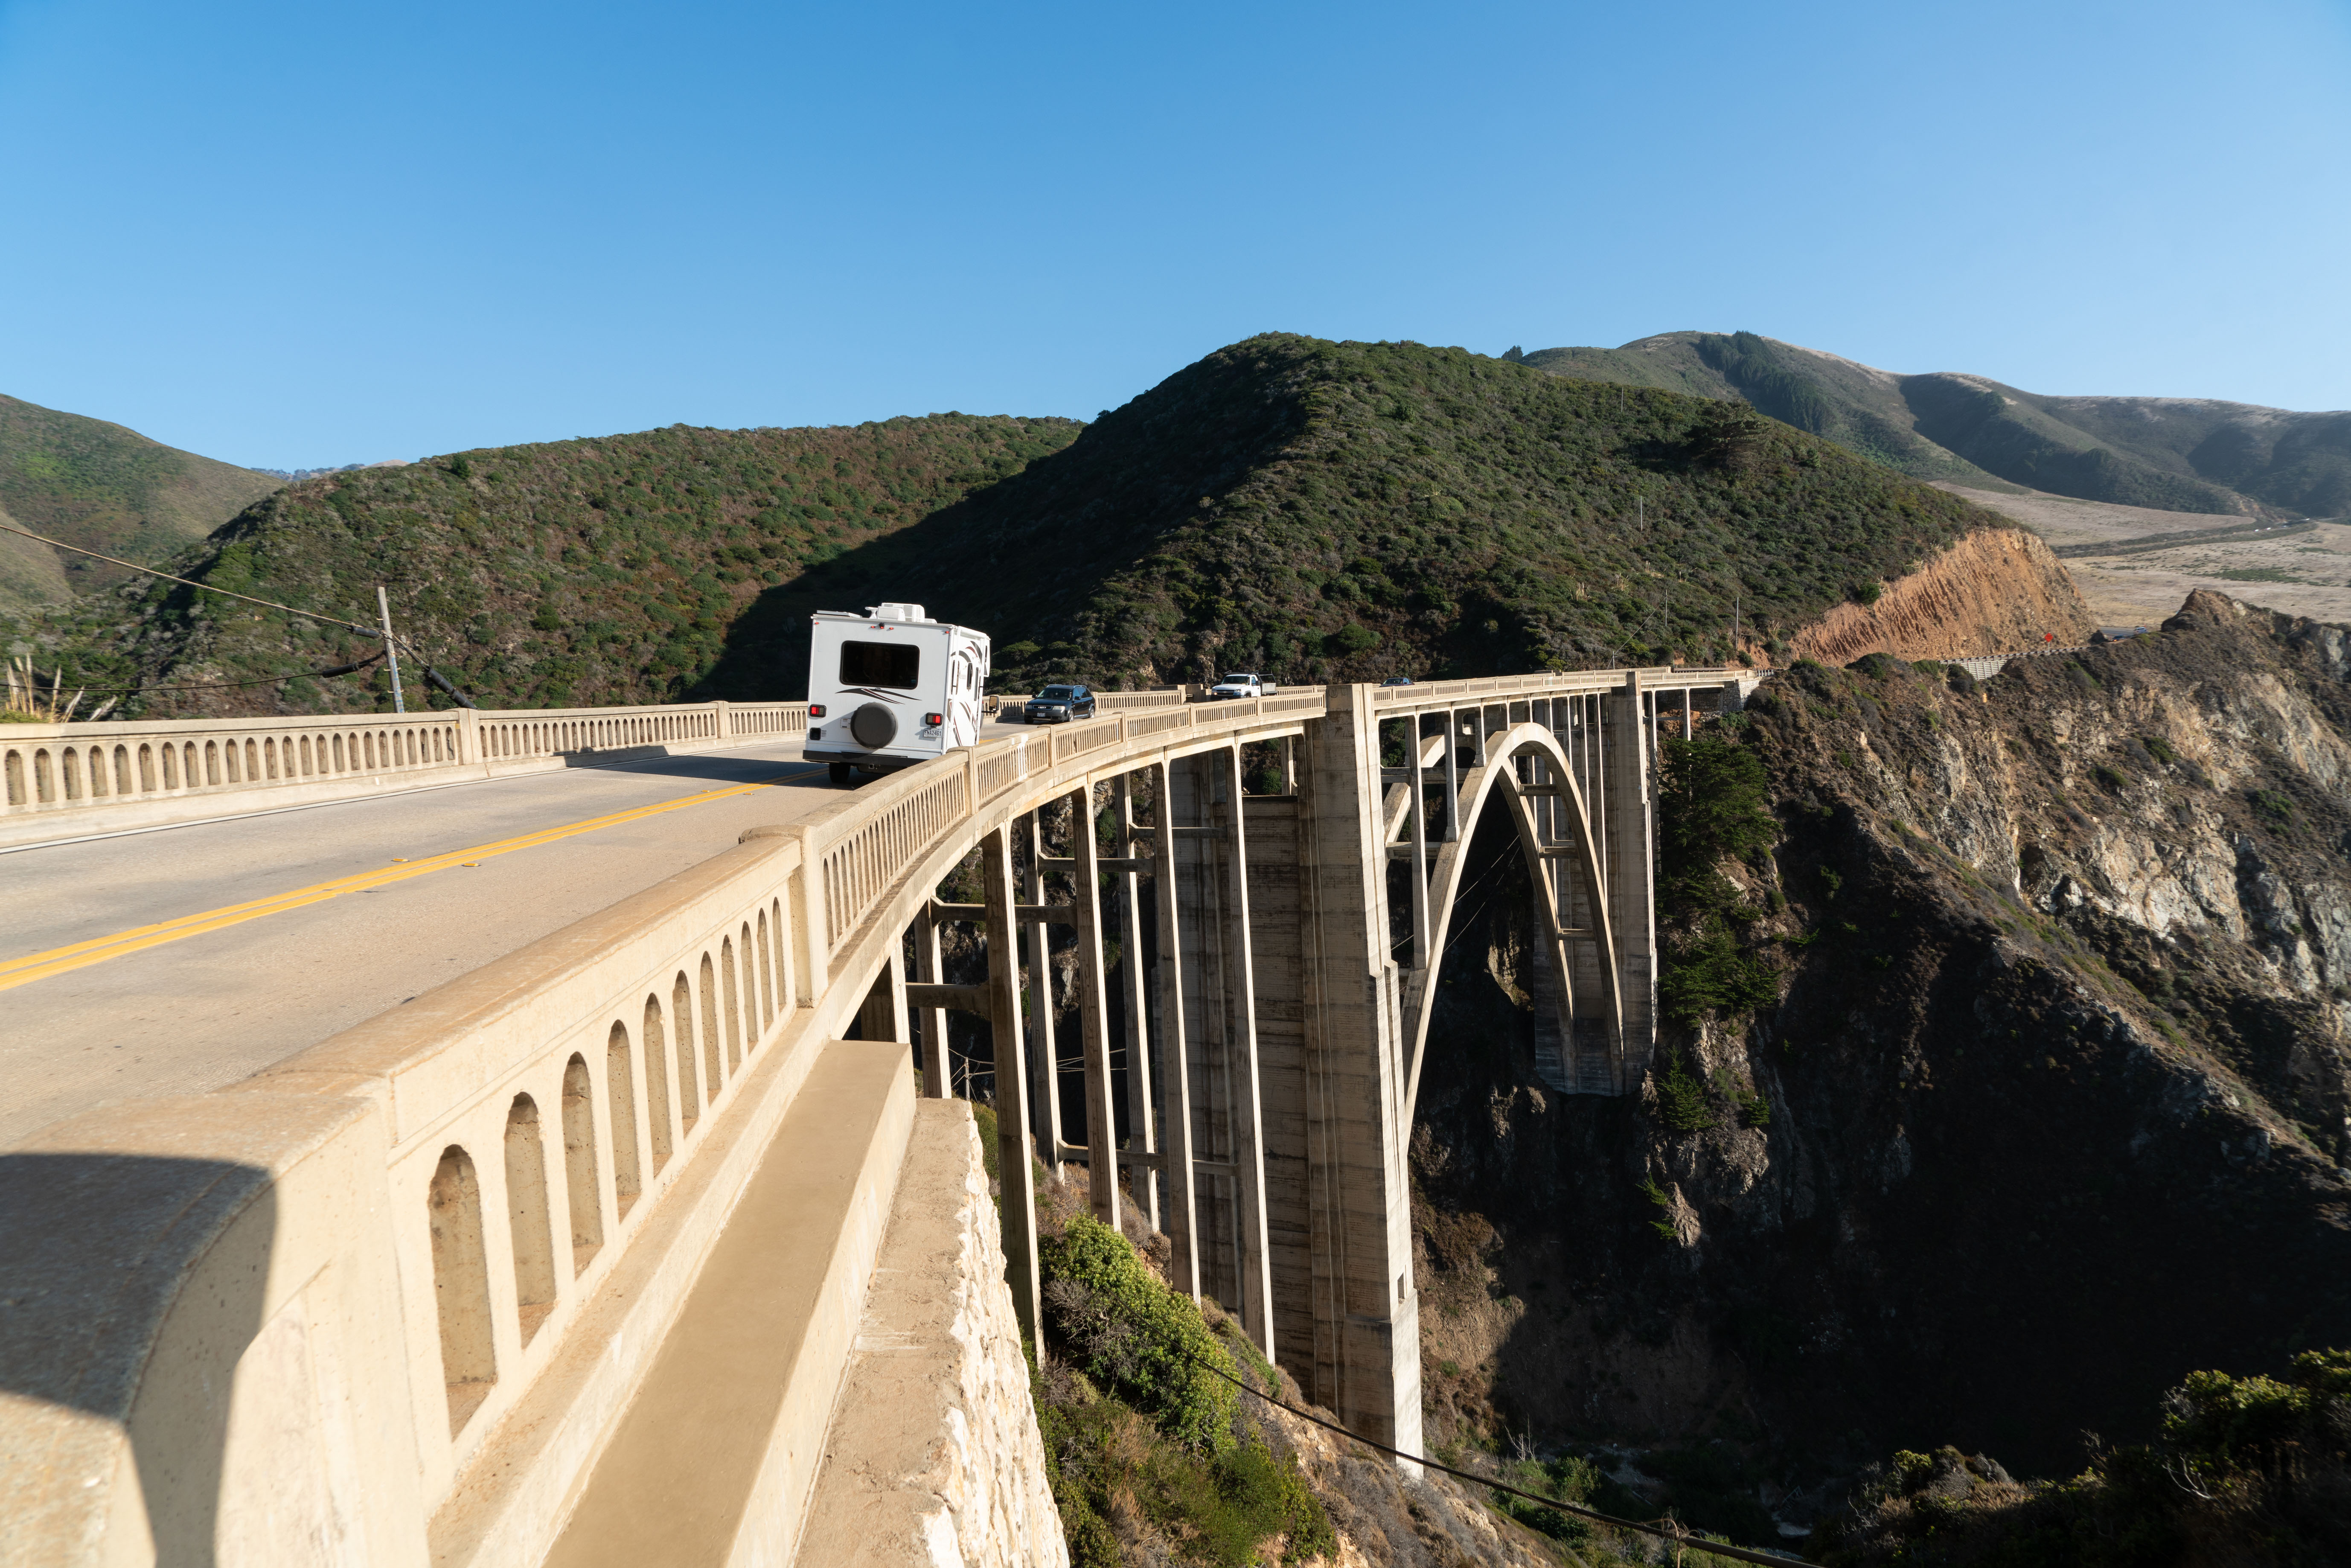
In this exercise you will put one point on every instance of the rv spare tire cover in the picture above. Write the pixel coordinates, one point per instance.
(874, 725)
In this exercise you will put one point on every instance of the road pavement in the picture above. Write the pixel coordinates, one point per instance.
(386, 907)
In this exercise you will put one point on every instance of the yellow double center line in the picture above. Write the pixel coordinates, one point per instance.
(97, 950)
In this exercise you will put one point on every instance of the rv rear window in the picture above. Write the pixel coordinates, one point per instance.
(897, 665)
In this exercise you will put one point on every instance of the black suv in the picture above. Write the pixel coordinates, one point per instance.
(1059, 704)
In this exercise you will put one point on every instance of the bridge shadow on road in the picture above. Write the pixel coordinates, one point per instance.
(111, 1265)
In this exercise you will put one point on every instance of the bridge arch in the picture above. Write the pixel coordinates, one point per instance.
(1526, 769)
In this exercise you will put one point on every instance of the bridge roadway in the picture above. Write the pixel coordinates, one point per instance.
(170, 1014)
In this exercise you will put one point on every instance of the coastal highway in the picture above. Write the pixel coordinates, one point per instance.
(176, 960)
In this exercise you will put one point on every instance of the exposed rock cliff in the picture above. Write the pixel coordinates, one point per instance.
(1994, 591)
(2051, 1112)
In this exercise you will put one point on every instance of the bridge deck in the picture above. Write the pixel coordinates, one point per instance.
(188, 1015)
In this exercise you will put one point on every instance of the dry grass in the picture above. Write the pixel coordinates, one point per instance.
(24, 703)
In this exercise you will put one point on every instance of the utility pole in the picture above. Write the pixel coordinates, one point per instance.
(391, 650)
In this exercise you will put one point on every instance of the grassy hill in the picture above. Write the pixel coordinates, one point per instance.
(2179, 454)
(1349, 510)
(1323, 510)
(1849, 403)
(575, 572)
(104, 487)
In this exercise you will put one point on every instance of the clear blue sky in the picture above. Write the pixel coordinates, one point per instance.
(306, 233)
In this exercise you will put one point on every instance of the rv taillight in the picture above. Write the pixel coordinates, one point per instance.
(816, 710)
(934, 718)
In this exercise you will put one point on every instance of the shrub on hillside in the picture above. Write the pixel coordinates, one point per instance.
(1136, 1337)
(1151, 1451)
(2253, 1471)
(1709, 808)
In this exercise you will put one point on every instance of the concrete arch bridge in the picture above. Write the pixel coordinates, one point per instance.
(603, 1251)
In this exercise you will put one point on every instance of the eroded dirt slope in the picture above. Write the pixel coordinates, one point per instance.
(1995, 591)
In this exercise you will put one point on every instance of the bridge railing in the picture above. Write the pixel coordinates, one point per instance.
(1439, 694)
(138, 772)
(79, 767)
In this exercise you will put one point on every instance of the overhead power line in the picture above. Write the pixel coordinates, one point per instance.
(1671, 1529)
(383, 635)
(134, 566)
(350, 669)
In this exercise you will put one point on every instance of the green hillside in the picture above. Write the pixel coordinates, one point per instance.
(1324, 510)
(98, 486)
(563, 573)
(1349, 510)
(2180, 454)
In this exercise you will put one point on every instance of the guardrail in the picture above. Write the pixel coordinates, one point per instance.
(433, 1258)
(98, 773)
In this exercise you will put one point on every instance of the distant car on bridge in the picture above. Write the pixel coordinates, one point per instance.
(1060, 705)
(890, 688)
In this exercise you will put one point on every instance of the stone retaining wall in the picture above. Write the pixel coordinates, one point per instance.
(933, 1456)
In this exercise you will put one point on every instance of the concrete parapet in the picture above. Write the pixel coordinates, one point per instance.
(199, 1353)
(933, 1456)
(67, 780)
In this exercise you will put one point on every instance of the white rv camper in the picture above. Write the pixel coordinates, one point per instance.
(890, 688)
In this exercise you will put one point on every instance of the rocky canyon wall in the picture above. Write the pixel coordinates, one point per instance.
(2054, 1107)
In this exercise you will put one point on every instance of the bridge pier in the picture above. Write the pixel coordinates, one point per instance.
(1363, 1360)
(1218, 986)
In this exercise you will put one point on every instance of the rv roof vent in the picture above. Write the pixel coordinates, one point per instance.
(897, 613)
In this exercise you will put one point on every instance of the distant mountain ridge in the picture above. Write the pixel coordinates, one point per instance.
(89, 483)
(2176, 454)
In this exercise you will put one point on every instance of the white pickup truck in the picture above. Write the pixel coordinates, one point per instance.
(1243, 684)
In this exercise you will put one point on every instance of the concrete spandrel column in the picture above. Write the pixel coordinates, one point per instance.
(938, 1073)
(1180, 1220)
(1044, 1064)
(1093, 1015)
(1365, 1358)
(882, 1015)
(1246, 1084)
(1629, 783)
(1208, 981)
(1142, 1130)
(1016, 1175)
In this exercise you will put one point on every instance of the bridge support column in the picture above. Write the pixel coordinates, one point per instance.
(882, 1015)
(1629, 786)
(1144, 1180)
(1366, 1354)
(1044, 1061)
(938, 1067)
(1181, 1220)
(1219, 995)
(1016, 1175)
(1093, 1015)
